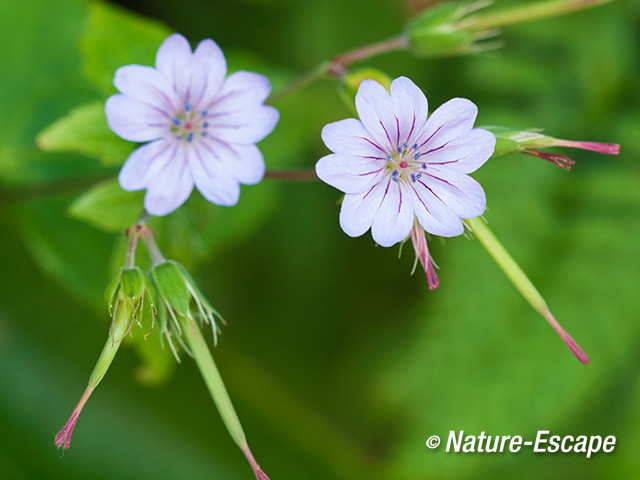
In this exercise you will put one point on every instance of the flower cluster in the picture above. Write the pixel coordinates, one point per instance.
(404, 172)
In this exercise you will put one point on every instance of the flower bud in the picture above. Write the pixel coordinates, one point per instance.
(529, 142)
(125, 299)
(438, 32)
(178, 292)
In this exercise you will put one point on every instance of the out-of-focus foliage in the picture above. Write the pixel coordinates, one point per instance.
(340, 363)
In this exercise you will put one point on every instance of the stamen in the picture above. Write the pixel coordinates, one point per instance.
(415, 146)
(205, 124)
(395, 173)
(204, 113)
(417, 156)
(190, 137)
(399, 149)
(424, 166)
(395, 179)
(176, 121)
(389, 157)
(188, 107)
(179, 137)
(419, 174)
(204, 134)
(413, 177)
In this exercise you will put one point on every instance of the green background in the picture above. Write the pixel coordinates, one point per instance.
(340, 363)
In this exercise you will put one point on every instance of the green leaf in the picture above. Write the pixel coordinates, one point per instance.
(116, 37)
(84, 130)
(108, 207)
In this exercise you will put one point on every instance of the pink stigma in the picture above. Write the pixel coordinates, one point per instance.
(188, 125)
(403, 164)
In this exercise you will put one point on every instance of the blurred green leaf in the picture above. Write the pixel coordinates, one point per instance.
(108, 207)
(84, 130)
(115, 37)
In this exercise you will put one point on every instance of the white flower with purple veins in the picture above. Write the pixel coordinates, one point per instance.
(201, 127)
(403, 173)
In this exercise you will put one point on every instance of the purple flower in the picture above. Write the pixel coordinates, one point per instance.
(201, 127)
(403, 173)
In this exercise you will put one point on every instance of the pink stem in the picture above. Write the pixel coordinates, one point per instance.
(566, 338)
(260, 475)
(63, 438)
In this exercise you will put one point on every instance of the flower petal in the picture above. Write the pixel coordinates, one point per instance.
(147, 85)
(134, 121)
(350, 174)
(208, 69)
(211, 167)
(376, 114)
(144, 163)
(241, 91)
(349, 137)
(358, 210)
(448, 122)
(394, 219)
(410, 107)
(435, 216)
(244, 127)
(461, 193)
(466, 153)
(171, 186)
(173, 60)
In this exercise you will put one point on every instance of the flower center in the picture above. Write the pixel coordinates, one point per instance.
(189, 124)
(404, 164)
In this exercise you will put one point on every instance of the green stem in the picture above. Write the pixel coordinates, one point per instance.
(526, 13)
(201, 354)
(147, 235)
(520, 280)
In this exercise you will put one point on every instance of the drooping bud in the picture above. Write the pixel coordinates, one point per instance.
(454, 28)
(437, 31)
(530, 142)
(125, 297)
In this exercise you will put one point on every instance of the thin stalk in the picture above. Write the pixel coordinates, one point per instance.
(209, 371)
(526, 13)
(520, 280)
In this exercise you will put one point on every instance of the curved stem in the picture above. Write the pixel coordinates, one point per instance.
(292, 175)
(339, 65)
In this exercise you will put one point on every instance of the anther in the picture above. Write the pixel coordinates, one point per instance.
(176, 121)
(189, 136)
(188, 107)
(389, 157)
(417, 156)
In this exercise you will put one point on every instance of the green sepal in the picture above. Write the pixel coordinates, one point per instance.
(433, 33)
(132, 285)
(509, 140)
(110, 292)
(169, 279)
(201, 298)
